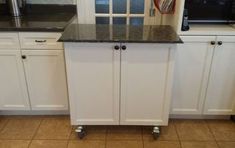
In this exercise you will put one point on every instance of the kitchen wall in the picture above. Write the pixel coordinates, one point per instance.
(48, 1)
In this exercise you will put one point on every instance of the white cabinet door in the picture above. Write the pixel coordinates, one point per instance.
(46, 79)
(220, 99)
(13, 91)
(193, 60)
(93, 72)
(146, 76)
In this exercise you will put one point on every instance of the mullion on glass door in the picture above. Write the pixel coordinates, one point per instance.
(120, 12)
(110, 11)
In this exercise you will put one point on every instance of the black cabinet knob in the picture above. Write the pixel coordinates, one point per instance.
(116, 47)
(220, 43)
(212, 42)
(23, 56)
(123, 47)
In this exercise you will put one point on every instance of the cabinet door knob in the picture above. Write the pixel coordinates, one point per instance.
(212, 42)
(123, 47)
(23, 56)
(220, 43)
(116, 47)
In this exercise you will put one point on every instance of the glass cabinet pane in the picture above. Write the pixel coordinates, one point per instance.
(119, 6)
(102, 20)
(119, 20)
(102, 6)
(136, 21)
(137, 7)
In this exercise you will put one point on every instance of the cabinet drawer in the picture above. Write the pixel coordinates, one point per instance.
(40, 41)
(9, 41)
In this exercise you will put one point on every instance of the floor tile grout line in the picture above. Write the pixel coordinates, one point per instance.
(67, 145)
(34, 135)
(80, 140)
(142, 134)
(8, 120)
(180, 142)
(71, 132)
(208, 126)
(31, 140)
(106, 135)
(52, 139)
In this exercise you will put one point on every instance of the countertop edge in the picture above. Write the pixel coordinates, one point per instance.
(51, 29)
(97, 33)
(95, 41)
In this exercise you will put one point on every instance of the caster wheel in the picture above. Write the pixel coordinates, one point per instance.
(81, 132)
(156, 133)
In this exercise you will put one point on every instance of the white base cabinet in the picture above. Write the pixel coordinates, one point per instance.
(119, 87)
(32, 73)
(204, 79)
(220, 98)
(45, 74)
(13, 88)
(192, 67)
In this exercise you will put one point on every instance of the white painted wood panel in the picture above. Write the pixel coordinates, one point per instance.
(46, 79)
(146, 76)
(13, 89)
(220, 99)
(86, 11)
(93, 72)
(192, 66)
(9, 41)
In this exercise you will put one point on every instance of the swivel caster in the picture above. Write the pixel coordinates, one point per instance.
(156, 132)
(81, 132)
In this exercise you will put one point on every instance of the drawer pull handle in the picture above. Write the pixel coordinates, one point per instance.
(40, 41)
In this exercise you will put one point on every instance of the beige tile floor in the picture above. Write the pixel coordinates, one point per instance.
(56, 132)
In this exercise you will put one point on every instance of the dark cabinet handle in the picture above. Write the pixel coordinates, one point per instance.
(212, 42)
(23, 56)
(40, 41)
(116, 47)
(123, 47)
(220, 43)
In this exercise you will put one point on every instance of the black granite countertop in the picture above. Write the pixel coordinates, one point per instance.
(120, 33)
(36, 22)
(38, 17)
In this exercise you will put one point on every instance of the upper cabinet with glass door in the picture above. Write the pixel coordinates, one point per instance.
(120, 12)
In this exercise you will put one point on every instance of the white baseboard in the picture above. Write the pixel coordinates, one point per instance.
(34, 112)
(200, 116)
(67, 113)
